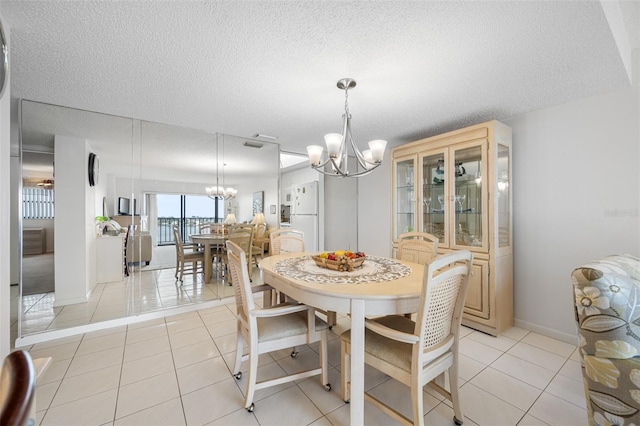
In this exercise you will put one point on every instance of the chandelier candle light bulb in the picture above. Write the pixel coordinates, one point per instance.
(337, 146)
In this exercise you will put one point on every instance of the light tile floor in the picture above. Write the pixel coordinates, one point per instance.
(141, 292)
(177, 370)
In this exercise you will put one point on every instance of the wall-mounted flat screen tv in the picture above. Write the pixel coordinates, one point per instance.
(124, 206)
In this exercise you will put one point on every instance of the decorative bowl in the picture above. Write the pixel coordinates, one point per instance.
(342, 262)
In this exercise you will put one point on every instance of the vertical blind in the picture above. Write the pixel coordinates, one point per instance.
(38, 203)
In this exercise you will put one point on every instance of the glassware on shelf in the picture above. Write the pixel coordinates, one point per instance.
(460, 200)
(427, 203)
(441, 201)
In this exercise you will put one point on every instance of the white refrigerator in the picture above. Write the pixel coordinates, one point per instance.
(304, 212)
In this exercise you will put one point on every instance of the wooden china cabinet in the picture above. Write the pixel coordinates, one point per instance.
(457, 186)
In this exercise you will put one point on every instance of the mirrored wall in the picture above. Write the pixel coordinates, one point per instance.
(87, 176)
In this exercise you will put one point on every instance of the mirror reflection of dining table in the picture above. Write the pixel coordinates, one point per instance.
(208, 241)
(382, 286)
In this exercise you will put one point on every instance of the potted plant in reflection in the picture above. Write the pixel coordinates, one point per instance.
(101, 225)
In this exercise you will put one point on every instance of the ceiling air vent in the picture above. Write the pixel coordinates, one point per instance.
(263, 136)
(252, 144)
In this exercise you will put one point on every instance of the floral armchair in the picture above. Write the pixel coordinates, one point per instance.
(607, 308)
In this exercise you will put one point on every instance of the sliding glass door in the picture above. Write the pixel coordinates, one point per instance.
(186, 211)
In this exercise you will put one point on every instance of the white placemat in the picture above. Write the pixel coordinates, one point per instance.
(374, 269)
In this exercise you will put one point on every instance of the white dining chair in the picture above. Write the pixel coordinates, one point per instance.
(290, 240)
(417, 352)
(271, 329)
(417, 247)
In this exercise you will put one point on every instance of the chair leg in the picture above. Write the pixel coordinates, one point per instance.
(253, 376)
(345, 371)
(458, 417)
(417, 402)
(239, 348)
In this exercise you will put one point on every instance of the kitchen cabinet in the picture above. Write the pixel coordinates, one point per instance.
(457, 186)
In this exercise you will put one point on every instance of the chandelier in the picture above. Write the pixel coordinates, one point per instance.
(337, 145)
(217, 191)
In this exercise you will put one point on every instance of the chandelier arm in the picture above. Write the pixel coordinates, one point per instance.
(335, 169)
(363, 163)
(337, 174)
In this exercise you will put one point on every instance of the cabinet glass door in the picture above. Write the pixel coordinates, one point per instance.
(433, 196)
(405, 196)
(502, 197)
(467, 199)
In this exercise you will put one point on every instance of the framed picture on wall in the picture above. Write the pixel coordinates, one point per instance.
(258, 202)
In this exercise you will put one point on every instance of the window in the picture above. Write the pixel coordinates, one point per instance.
(38, 203)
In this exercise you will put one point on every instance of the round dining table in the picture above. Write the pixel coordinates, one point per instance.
(208, 241)
(382, 286)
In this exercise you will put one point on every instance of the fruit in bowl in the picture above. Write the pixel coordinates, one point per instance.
(340, 260)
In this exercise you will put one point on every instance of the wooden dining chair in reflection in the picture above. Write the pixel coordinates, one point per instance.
(188, 257)
(417, 247)
(125, 255)
(242, 235)
(286, 240)
(260, 243)
(271, 329)
(417, 352)
(217, 250)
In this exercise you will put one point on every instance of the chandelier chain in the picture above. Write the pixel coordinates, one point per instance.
(346, 102)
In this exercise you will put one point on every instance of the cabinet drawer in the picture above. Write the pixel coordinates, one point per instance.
(34, 241)
(476, 303)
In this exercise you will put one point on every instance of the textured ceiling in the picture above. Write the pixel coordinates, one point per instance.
(422, 67)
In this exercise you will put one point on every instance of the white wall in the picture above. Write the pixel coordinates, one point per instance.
(5, 234)
(374, 210)
(75, 255)
(16, 252)
(576, 198)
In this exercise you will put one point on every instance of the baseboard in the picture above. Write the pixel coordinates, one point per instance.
(45, 336)
(572, 339)
(71, 301)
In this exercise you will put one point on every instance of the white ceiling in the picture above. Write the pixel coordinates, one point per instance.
(270, 67)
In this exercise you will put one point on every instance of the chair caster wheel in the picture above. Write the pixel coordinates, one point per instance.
(456, 421)
(251, 407)
(238, 375)
(327, 387)
(293, 354)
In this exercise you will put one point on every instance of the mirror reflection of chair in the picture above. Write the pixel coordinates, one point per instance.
(417, 247)
(188, 257)
(271, 329)
(416, 353)
(286, 240)
(242, 235)
(125, 256)
(18, 388)
(217, 250)
(260, 243)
